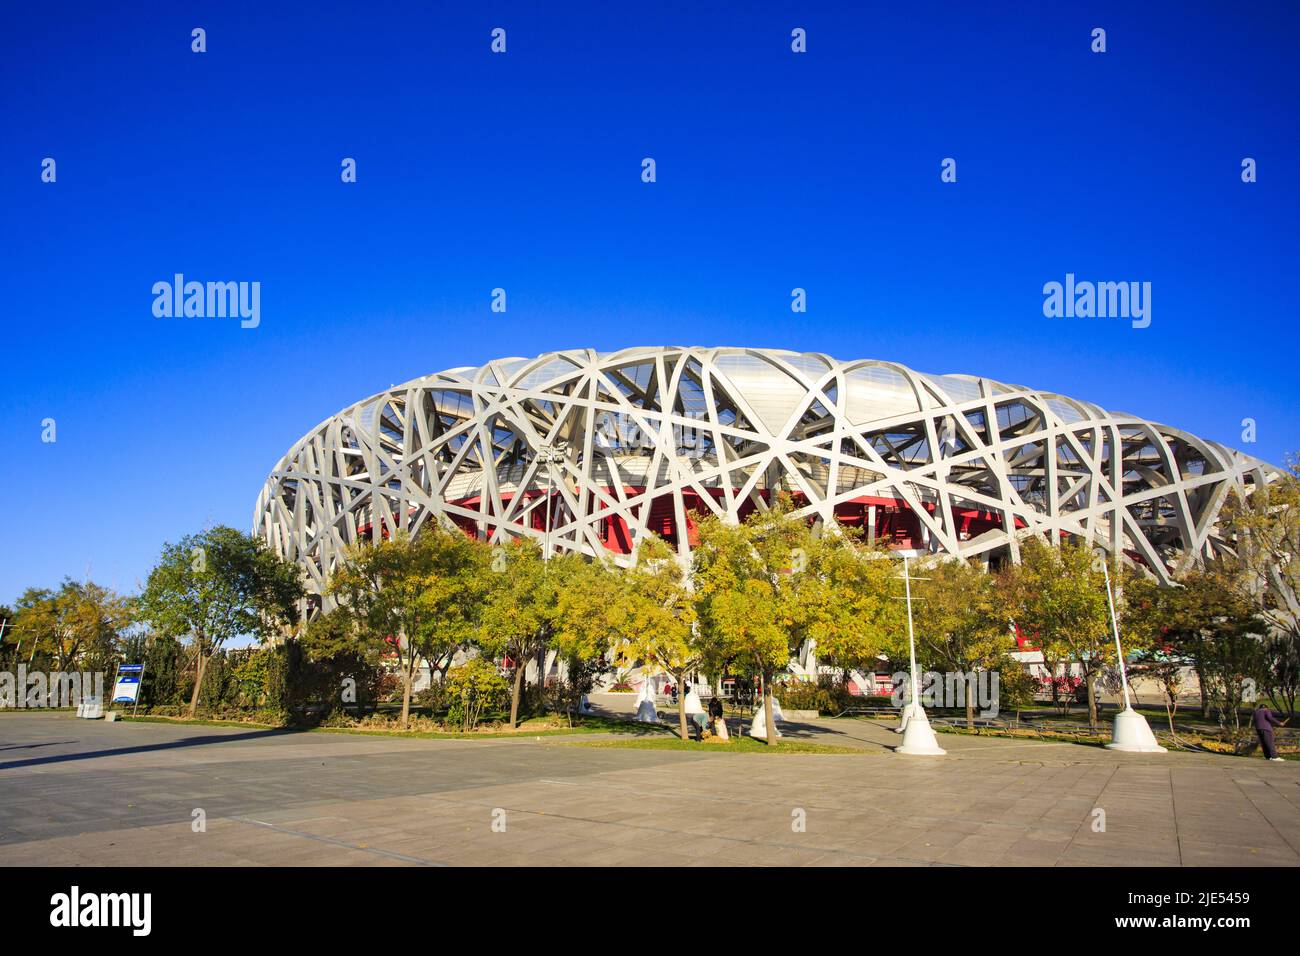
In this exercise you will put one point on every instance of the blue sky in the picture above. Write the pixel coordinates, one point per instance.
(522, 171)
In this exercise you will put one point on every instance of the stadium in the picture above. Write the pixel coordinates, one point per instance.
(591, 451)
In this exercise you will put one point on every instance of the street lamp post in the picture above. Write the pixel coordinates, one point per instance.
(1131, 731)
(918, 735)
(911, 636)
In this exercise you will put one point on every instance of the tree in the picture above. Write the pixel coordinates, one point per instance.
(845, 599)
(81, 622)
(643, 613)
(767, 585)
(1213, 617)
(1147, 615)
(961, 623)
(580, 675)
(423, 594)
(215, 585)
(521, 609)
(1209, 620)
(1282, 651)
(1264, 531)
(1057, 596)
(341, 666)
(9, 638)
(162, 657)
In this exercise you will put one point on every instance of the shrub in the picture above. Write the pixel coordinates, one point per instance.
(436, 698)
(828, 696)
(1064, 690)
(162, 664)
(475, 687)
(565, 696)
(216, 678)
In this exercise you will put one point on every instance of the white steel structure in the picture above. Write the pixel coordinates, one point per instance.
(590, 451)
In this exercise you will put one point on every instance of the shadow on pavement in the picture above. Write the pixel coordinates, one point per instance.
(52, 743)
(147, 748)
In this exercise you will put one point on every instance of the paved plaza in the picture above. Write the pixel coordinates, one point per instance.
(75, 792)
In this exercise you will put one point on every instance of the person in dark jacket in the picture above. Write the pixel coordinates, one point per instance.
(1265, 720)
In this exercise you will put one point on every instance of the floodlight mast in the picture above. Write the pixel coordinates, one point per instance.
(1114, 626)
(918, 735)
(911, 638)
(1131, 731)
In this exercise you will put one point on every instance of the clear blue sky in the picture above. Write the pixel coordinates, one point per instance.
(522, 170)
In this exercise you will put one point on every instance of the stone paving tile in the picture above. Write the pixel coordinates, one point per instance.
(1117, 855)
(1217, 854)
(120, 794)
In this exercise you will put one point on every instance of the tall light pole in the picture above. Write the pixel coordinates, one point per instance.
(1131, 731)
(918, 735)
(1114, 626)
(911, 636)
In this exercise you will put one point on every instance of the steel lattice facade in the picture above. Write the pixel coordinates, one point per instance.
(643, 441)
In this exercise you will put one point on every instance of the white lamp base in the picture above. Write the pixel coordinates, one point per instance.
(918, 738)
(1133, 734)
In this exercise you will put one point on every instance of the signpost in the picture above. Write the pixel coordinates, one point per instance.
(126, 685)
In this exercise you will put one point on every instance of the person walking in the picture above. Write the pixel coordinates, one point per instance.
(1265, 720)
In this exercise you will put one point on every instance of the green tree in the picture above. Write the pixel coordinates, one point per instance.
(521, 613)
(1149, 616)
(423, 594)
(215, 585)
(961, 623)
(162, 659)
(1282, 651)
(341, 666)
(10, 639)
(1057, 596)
(1264, 530)
(639, 614)
(1212, 618)
(80, 623)
(767, 585)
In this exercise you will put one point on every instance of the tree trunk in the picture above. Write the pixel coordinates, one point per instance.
(767, 712)
(1051, 682)
(1091, 681)
(201, 665)
(406, 698)
(515, 691)
(679, 677)
(1205, 697)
